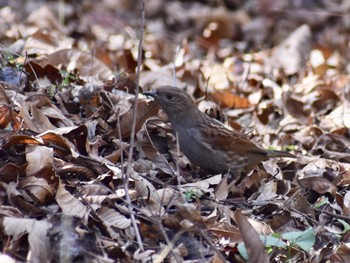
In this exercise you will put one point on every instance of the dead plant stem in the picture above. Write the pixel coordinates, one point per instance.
(132, 133)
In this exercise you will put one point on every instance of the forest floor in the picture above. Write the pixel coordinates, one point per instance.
(89, 168)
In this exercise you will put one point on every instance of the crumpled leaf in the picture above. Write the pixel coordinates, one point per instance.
(37, 236)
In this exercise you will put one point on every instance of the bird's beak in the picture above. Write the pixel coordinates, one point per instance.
(152, 94)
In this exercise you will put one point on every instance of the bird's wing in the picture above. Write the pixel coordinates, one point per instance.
(222, 138)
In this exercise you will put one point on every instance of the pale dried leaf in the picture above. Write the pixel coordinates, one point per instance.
(37, 236)
(86, 64)
(254, 246)
(112, 218)
(291, 55)
(69, 204)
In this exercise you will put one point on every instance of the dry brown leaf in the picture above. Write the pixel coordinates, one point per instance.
(232, 234)
(228, 100)
(10, 172)
(168, 195)
(145, 110)
(20, 200)
(295, 107)
(255, 247)
(37, 236)
(69, 204)
(319, 184)
(76, 100)
(291, 55)
(40, 181)
(43, 102)
(43, 42)
(112, 218)
(152, 153)
(300, 204)
(221, 191)
(9, 119)
(144, 188)
(85, 63)
(66, 137)
(39, 72)
(342, 254)
(268, 191)
(61, 145)
(346, 203)
(157, 159)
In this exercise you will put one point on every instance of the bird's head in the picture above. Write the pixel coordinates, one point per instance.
(175, 102)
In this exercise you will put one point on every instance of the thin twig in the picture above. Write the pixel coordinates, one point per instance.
(19, 80)
(151, 142)
(212, 245)
(177, 163)
(170, 246)
(132, 133)
(174, 65)
(345, 218)
(176, 135)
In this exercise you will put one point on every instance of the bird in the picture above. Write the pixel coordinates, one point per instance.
(206, 142)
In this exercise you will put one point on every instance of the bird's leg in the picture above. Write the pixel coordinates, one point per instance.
(234, 175)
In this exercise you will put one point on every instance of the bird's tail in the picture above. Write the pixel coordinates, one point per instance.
(279, 154)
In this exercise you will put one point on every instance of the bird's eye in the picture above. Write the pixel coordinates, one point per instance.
(169, 96)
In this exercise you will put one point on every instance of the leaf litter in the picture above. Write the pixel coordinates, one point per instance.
(67, 103)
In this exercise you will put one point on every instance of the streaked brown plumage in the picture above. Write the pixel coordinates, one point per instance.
(206, 142)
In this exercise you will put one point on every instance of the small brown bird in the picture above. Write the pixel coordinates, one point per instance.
(206, 142)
